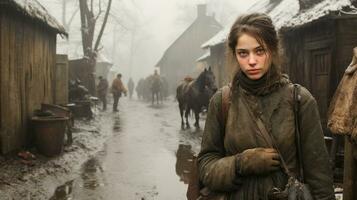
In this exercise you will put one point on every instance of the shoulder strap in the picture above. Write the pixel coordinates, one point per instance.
(296, 104)
(269, 139)
(226, 102)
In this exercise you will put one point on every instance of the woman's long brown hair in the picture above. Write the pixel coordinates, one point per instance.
(259, 26)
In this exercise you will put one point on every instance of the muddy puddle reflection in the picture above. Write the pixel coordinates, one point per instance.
(63, 192)
(116, 125)
(91, 178)
(148, 157)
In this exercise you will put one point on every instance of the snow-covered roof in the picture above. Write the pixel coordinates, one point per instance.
(103, 59)
(316, 12)
(220, 37)
(203, 57)
(35, 10)
(281, 11)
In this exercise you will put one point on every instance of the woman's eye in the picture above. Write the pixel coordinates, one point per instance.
(260, 52)
(242, 54)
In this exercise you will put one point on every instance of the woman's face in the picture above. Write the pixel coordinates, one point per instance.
(253, 59)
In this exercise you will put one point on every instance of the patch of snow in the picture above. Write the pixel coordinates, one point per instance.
(35, 10)
(102, 58)
(220, 37)
(284, 12)
(204, 56)
(317, 11)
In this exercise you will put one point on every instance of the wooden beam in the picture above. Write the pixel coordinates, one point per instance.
(350, 173)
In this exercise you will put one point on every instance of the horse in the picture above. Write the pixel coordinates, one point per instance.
(194, 95)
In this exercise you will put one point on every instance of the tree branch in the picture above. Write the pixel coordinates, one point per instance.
(103, 26)
(100, 12)
(68, 24)
(84, 27)
(117, 20)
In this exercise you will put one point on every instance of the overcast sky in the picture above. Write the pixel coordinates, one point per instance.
(145, 27)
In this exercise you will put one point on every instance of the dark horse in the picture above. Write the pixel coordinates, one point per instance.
(195, 94)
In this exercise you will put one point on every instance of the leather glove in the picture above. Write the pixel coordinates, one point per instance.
(257, 161)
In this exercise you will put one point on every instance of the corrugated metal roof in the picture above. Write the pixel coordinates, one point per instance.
(281, 11)
(35, 10)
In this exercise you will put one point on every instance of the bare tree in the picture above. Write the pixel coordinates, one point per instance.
(89, 21)
(67, 23)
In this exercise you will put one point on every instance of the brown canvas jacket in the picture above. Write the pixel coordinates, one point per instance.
(118, 86)
(217, 156)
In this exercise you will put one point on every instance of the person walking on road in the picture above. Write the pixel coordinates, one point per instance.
(131, 87)
(117, 90)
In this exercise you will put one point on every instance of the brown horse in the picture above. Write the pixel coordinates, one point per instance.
(194, 95)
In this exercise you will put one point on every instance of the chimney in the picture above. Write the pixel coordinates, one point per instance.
(201, 10)
(306, 4)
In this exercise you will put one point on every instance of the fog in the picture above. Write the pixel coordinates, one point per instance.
(138, 31)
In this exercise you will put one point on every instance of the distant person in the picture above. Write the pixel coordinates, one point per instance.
(131, 87)
(139, 89)
(155, 87)
(77, 91)
(117, 90)
(102, 90)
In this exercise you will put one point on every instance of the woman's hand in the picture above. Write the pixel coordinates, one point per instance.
(257, 161)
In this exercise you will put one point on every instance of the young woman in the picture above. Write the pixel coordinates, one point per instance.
(235, 159)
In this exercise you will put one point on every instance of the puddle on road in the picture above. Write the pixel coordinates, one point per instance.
(157, 106)
(92, 174)
(90, 179)
(162, 171)
(64, 191)
(117, 124)
(165, 124)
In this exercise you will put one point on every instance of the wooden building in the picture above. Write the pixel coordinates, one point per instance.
(27, 61)
(317, 44)
(217, 57)
(77, 67)
(179, 60)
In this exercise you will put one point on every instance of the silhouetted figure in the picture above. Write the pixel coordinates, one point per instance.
(131, 87)
(117, 90)
(155, 87)
(140, 89)
(102, 90)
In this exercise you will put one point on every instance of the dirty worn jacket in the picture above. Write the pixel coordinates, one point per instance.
(217, 158)
(118, 86)
(102, 87)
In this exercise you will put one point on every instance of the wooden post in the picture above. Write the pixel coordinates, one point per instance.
(60, 85)
(350, 175)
